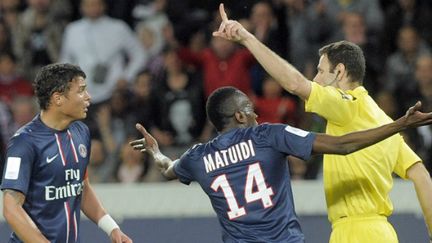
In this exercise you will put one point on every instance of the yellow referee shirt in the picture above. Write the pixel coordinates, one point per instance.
(358, 183)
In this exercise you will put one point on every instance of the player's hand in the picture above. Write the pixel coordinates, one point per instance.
(415, 118)
(147, 144)
(117, 236)
(230, 29)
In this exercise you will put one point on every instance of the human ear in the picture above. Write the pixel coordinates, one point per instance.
(56, 98)
(240, 117)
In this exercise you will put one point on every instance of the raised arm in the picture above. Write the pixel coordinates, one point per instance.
(149, 144)
(351, 142)
(18, 219)
(283, 72)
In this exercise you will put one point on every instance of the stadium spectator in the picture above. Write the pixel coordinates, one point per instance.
(11, 83)
(273, 107)
(222, 64)
(400, 66)
(101, 45)
(37, 37)
(363, 178)
(400, 13)
(102, 163)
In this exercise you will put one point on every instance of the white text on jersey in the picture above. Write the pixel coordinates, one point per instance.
(71, 189)
(232, 155)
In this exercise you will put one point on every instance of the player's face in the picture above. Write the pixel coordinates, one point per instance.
(325, 76)
(77, 100)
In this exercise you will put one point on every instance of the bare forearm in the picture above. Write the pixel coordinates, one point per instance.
(18, 219)
(91, 206)
(355, 141)
(423, 186)
(283, 72)
(166, 166)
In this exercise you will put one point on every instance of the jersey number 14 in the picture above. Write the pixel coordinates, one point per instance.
(254, 177)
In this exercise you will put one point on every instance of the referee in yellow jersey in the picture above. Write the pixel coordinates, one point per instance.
(357, 186)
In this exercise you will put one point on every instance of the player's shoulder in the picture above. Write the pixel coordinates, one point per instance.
(265, 128)
(79, 126)
(195, 150)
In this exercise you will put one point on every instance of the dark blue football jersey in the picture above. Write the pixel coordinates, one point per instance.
(49, 166)
(245, 174)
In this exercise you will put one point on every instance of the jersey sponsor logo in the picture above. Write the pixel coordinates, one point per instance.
(296, 131)
(49, 160)
(73, 187)
(69, 190)
(82, 150)
(13, 165)
(236, 153)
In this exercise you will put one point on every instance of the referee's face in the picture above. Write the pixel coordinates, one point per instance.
(325, 76)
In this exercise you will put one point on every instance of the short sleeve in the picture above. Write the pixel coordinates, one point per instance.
(288, 140)
(332, 104)
(19, 163)
(182, 170)
(406, 158)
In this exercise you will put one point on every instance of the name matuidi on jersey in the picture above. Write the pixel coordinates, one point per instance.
(232, 155)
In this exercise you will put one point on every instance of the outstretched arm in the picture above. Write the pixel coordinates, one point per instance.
(149, 144)
(418, 174)
(284, 73)
(351, 142)
(18, 219)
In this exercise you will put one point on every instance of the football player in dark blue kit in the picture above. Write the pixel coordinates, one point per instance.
(45, 184)
(244, 169)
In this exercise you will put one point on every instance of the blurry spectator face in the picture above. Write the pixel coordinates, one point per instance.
(23, 110)
(130, 156)
(7, 65)
(39, 5)
(177, 81)
(298, 5)
(354, 28)
(262, 14)
(142, 85)
(408, 40)
(146, 36)
(407, 4)
(424, 75)
(97, 154)
(118, 102)
(271, 89)
(222, 48)
(93, 9)
(9, 4)
(172, 61)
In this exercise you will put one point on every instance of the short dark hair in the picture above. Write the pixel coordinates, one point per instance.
(54, 78)
(221, 106)
(350, 55)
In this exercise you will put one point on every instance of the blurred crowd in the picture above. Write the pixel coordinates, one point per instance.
(155, 62)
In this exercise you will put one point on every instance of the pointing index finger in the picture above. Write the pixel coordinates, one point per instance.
(141, 129)
(222, 13)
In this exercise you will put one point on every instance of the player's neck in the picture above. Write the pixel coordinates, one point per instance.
(347, 85)
(55, 120)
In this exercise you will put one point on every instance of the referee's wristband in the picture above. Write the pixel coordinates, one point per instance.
(107, 224)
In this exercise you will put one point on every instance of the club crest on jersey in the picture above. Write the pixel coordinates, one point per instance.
(82, 150)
